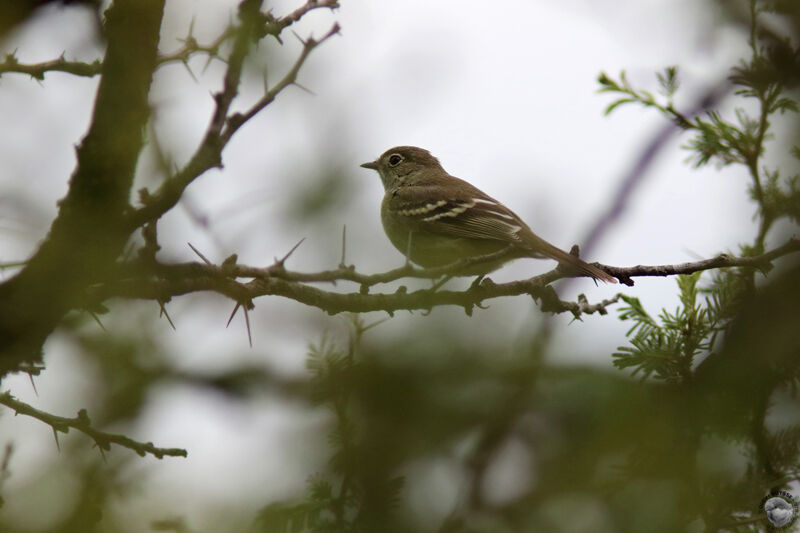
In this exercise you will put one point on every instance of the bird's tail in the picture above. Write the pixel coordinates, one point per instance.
(540, 246)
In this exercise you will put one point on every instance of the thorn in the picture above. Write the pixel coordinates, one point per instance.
(55, 436)
(247, 321)
(199, 254)
(344, 244)
(306, 89)
(164, 313)
(376, 323)
(299, 38)
(576, 316)
(189, 69)
(96, 319)
(477, 283)
(285, 257)
(208, 62)
(233, 314)
(33, 384)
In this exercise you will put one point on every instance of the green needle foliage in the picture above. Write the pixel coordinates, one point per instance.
(666, 348)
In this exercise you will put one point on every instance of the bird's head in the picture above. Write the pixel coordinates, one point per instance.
(402, 164)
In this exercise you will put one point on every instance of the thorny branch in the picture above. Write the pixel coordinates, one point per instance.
(82, 423)
(223, 126)
(38, 70)
(191, 47)
(161, 282)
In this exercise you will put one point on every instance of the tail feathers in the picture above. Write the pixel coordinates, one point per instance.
(547, 249)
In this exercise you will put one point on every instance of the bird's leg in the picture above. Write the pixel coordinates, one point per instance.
(439, 283)
(408, 249)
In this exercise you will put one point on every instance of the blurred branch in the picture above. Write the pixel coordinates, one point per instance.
(98, 195)
(14, 13)
(162, 281)
(635, 176)
(38, 70)
(83, 424)
(5, 471)
(235, 121)
(222, 126)
(191, 47)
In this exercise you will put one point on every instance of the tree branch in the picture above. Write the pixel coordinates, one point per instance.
(161, 282)
(38, 70)
(82, 423)
(761, 262)
(88, 234)
(273, 26)
(221, 126)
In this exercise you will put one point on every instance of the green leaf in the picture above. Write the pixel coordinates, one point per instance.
(618, 103)
(669, 81)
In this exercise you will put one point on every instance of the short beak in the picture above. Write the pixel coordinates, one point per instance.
(371, 165)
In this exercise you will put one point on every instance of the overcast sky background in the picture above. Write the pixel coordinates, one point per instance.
(503, 93)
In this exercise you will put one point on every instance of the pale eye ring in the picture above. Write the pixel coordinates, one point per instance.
(395, 160)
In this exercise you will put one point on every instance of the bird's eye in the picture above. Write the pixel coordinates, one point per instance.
(395, 159)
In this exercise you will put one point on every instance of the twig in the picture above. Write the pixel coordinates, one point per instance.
(761, 262)
(83, 424)
(234, 122)
(38, 70)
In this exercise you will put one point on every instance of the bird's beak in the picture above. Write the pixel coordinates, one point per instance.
(371, 165)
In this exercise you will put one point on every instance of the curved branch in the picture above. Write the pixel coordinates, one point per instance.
(83, 424)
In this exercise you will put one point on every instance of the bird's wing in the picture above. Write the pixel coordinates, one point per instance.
(468, 213)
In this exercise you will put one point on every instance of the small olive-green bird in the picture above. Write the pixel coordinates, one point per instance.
(435, 219)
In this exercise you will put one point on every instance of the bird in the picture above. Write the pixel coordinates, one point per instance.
(436, 219)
